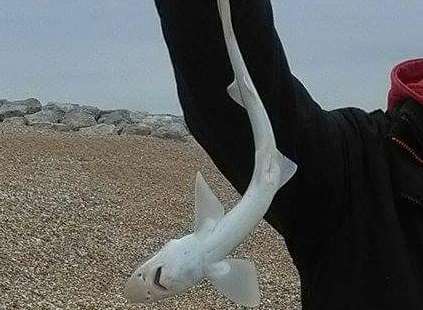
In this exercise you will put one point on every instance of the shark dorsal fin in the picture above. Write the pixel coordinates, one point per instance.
(208, 209)
(235, 93)
(234, 90)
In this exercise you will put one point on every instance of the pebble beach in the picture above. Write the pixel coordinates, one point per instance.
(78, 213)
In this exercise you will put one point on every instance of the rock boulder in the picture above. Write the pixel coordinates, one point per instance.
(115, 117)
(137, 129)
(78, 118)
(19, 108)
(100, 129)
(46, 116)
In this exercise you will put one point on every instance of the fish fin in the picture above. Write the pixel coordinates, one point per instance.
(207, 206)
(237, 280)
(283, 169)
(235, 93)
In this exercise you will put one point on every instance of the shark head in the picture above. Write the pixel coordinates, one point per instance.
(179, 265)
(182, 263)
(173, 270)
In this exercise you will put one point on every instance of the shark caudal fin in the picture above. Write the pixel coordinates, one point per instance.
(208, 209)
(237, 280)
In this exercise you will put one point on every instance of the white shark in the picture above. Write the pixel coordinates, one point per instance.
(182, 263)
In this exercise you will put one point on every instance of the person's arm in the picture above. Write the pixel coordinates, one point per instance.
(304, 132)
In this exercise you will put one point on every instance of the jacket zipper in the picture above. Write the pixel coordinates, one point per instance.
(408, 149)
(412, 200)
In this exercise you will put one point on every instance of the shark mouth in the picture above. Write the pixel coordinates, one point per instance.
(157, 279)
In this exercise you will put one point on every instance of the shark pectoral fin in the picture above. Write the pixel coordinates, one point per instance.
(235, 93)
(207, 205)
(237, 280)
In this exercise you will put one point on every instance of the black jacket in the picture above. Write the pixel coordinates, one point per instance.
(352, 216)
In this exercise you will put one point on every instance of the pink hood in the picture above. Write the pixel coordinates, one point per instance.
(407, 82)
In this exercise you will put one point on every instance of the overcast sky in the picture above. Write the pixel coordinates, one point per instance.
(111, 53)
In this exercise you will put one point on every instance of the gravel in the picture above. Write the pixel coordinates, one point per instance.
(79, 213)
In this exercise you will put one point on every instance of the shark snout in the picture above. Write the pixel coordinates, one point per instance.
(144, 286)
(137, 291)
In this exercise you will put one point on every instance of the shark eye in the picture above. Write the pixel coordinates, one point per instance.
(141, 275)
(157, 279)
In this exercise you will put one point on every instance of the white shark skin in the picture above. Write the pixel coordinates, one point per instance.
(182, 263)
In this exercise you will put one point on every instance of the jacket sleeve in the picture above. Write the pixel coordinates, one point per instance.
(308, 208)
